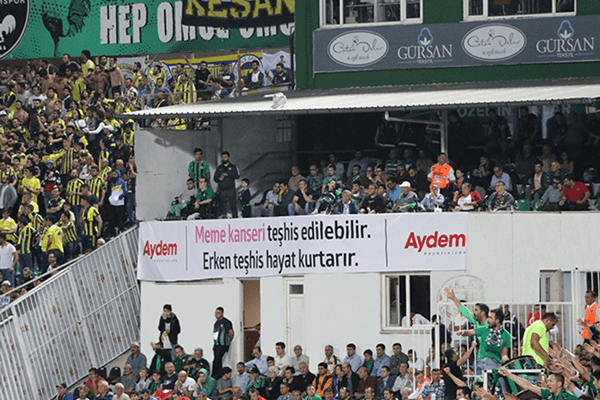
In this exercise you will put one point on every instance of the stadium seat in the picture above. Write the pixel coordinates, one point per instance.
(597, 204)
(523, 205)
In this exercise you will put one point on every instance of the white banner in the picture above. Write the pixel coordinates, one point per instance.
(255, 247)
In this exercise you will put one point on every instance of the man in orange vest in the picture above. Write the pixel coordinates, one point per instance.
(441, 174)
(592, 313)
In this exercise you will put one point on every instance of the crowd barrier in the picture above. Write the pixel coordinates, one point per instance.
(83, 317)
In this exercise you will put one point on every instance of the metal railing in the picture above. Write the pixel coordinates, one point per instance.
(566, 332)
(85, 316)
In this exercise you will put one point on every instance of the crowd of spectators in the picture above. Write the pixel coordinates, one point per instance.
(67, 165)
(374, 186)
(500, 342)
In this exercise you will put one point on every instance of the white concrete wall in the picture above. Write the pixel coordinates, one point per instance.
(505, 251)
(194, 304)
(162, 157)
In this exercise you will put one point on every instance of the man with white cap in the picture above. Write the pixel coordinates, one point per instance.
(408, 200)
(136, 359)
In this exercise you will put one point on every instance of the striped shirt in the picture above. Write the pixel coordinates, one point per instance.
(96, 185)
(27, 238)
(69, 232)
(74, 185)
(90, 224)
(37, 220)
(67, 157)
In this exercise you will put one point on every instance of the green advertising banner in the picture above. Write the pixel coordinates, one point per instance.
(49, 28)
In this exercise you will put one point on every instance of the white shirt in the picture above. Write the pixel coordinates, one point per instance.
(463, 200)
(6, 256)
(281, 362)
(189, 384)
(418, 319)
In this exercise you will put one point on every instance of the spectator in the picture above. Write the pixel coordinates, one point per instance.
(255, 79)
(365, 382)
(117, 214)
(382, 360)
(436, 388)
(285, 392)
(284, 199)
(306, 378)
(397, 359)
(169, 328)
(339, 167)
(418, 180)
(372, 202)
(225, 176)
(244, 197)
(331, 360)
(592, 313)
(104, 392)
(136, 359)
(281, 76)
(501, 176)
(185, 384)
(539, 182)
(302, 198)
(205, 383)
(8, 260)
(169, 378)
(324, 379)
(225, 387)
(433, 200)
(331, 176)
(385, 381)
(128, 379)
(200, 208)
(352, 358)
(552, 196)
(408, 200)
(467, 200)
(361, 161)
(575, 195)
(223, 335)
(535, 340)
(501, 200)
(524, 163)
(272, 384)
(495, 342)
(243, 377)
(92, 223)
(62, 392)
(181, 359)
(294, 181)
(453, 375)
(329, 196)
(292, 380)
(93, 381)
(194, 363)
(441, 174)
(315, 179)
(198, 168)
(345, 205)
(351, 380)
(282, 360)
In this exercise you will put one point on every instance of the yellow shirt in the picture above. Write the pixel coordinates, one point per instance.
(57, 239)
(32, 184)
(36, 208)
(528, 350)
(8, 225)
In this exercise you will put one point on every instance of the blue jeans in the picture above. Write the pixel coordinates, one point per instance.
(486, 363)
(8, 275)
(70, 249)
(292, 211)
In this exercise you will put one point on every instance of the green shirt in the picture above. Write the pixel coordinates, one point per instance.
(198, 170)
(563, 395)
(258, 384)
(369, 365)
(180, 362)
(490, 346)
(209, 386)
(206, 194)
(539, 328)
(588, 388)
(469, 316)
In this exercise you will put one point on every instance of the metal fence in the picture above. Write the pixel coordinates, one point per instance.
(520, 316)
(83, 317)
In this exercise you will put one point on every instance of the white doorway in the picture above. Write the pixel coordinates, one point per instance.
(295, 321)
